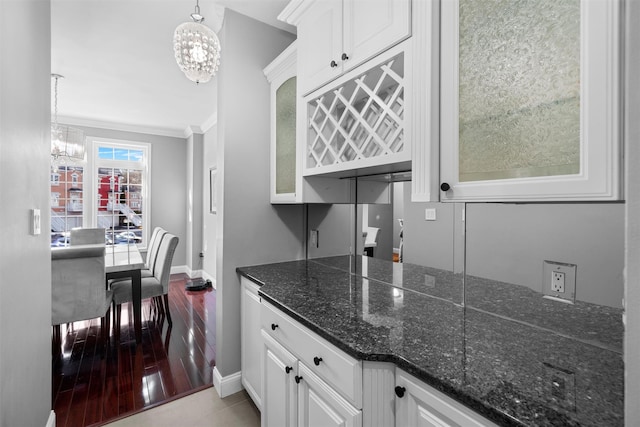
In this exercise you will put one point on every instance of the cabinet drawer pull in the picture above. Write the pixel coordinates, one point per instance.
(345, 57)
(445, 186)
(273, 326)
(298, 379)
(288, 369)
(400, 391)
(317, 360)
(333, 64)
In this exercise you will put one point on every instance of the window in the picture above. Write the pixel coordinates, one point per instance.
(120, 174)
(117, 174)
(66, 201)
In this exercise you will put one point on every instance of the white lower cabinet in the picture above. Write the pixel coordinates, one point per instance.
(250, 339)
(321, 406)
(280, 391)
(308, 382)
(418, 404)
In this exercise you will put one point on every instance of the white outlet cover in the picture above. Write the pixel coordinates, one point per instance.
(569, 270)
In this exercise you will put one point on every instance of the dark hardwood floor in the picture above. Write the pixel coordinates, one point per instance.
(91, 387)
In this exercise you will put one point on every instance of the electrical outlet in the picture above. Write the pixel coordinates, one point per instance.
(559, 281)
(560, 388)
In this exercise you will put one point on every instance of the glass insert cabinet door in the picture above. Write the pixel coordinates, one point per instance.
(285, 185)
(285, 144)
(530, 100)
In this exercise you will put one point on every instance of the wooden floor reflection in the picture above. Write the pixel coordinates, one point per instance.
(90, 388)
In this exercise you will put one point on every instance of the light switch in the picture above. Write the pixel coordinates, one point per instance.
(430, 214)
(35, 222)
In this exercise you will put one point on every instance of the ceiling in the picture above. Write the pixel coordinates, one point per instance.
(119, 71)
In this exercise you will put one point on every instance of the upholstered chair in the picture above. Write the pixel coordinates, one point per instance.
(78, 286)
(86, 236)
(152, 251)
(156, 285)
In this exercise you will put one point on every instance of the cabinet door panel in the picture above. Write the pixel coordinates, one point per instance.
(320, 42)
(279, 389)
(371, 26)
(423, 406)
(319, 405)
(250, 356)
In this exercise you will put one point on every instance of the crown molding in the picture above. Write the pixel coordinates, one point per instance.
(125, 127)
(287, 59)
(209, 123)
(294, 11)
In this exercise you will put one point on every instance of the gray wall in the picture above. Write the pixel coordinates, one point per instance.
(250, 230)
(632, 195)
(25, 260)
(168, 182)
(195, 201)
(209, 220)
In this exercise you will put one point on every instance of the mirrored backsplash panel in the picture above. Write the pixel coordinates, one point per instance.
(519, 244)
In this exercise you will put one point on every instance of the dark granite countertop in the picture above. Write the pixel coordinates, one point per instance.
(507, 353)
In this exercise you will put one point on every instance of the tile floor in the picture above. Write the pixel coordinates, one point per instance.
(204, 408)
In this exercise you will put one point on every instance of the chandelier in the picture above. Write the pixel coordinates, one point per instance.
(66, 142)
(197, 48)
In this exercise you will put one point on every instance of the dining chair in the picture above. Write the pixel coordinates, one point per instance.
(86, 236)
(152, 251)
(156, 285)
(78, 289)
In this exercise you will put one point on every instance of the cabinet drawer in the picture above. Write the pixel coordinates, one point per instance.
(334, 366)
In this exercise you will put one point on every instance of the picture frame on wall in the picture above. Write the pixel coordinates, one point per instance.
(213, 208)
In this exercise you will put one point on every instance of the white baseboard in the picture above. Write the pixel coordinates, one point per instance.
(226, 386)
(176, 269)
(51, 422)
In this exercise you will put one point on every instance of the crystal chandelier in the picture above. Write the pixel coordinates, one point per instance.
(197, 48)
(66, 142)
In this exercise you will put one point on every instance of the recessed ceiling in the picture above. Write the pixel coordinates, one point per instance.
(117, 60)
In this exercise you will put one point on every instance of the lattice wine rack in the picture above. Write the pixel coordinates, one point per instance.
(360, 119)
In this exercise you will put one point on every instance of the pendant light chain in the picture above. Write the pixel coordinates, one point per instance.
(55, 102)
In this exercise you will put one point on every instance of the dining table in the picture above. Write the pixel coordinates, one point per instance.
(125, 261)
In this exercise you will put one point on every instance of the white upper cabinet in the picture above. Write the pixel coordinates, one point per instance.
(335, 36)
(530, 100)
(285, 182)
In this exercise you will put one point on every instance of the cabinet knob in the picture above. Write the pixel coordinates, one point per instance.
(400, 391)
(333, 64)
(297, 378)
(445, 187)
(273, 326)
(288, 369)
(317, 360)
(345, 57)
